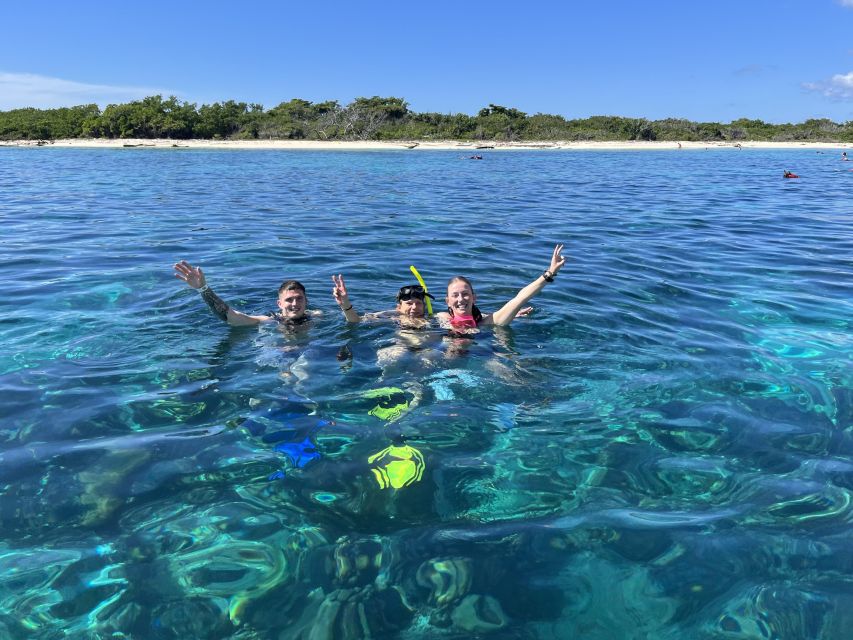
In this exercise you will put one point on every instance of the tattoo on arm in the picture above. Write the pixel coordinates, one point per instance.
(216, 304)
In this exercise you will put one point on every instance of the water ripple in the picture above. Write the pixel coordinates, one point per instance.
(661, 450)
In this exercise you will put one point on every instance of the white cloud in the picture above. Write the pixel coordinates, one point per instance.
(20, 90)
(838, 87)
(844, 81)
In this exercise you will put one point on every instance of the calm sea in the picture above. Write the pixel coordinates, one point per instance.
(662, 450)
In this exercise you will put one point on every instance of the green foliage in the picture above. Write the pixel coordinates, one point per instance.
(373, 118)
(223, 120)
(378, 118)
(500, 123)
(298, 119)
(46, 124)
(151, 117)
(543, 126)
(390, 108)
(438, 126)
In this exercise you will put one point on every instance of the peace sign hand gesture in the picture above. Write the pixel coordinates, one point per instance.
(340, 291)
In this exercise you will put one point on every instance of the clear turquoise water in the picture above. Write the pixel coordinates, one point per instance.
(663, 450)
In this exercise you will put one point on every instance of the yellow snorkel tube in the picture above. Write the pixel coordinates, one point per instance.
(423, 284)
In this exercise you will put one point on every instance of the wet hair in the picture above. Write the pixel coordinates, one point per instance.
(475, 312)
(461, 279)
(292, 285)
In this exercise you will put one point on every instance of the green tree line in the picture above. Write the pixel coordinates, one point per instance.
(377, 118)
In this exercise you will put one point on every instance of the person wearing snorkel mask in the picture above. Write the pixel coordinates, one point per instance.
(462, 314)
(410, 309)
(409, 312)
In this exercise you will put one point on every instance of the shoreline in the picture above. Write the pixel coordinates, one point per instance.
(413, 145)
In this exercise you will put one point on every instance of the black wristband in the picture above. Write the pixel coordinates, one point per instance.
(549, 277)
(347, 309)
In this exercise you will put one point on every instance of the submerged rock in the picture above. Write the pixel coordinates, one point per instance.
(239, 571)
(479, 614)
(190, 618)
(357, 562)
(101, 484)
(355, 614)
(448, 579)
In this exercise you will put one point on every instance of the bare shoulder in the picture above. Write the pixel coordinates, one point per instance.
(443, 319)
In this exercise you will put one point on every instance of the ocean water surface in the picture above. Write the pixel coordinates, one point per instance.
(661, 450)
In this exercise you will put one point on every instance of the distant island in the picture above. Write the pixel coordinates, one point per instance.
(379, 119)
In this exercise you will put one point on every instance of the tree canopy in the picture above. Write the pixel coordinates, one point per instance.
(377, 118)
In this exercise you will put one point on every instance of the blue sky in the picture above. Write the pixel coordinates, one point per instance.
(777, 60)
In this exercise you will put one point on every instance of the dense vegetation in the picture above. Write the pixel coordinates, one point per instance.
(376, 119)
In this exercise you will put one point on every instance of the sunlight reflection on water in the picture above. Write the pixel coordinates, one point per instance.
(661, 450)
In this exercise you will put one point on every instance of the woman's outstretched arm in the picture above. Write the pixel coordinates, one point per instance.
(507, 313)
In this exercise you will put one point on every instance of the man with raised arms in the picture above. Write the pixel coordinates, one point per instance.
(292, 300)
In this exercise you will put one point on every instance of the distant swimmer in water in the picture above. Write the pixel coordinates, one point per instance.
(476, 157)
(844, 156)
(789, 174)
(462, 314)
(292, 300)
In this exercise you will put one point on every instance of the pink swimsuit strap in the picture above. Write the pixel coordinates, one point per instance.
(463, 321)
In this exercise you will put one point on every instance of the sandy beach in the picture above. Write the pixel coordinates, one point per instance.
(442, 145)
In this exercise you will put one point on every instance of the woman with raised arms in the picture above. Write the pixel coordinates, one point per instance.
(462, 312)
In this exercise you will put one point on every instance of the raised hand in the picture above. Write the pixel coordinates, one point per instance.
(557, 260)
(193, 276)
(340, 291)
